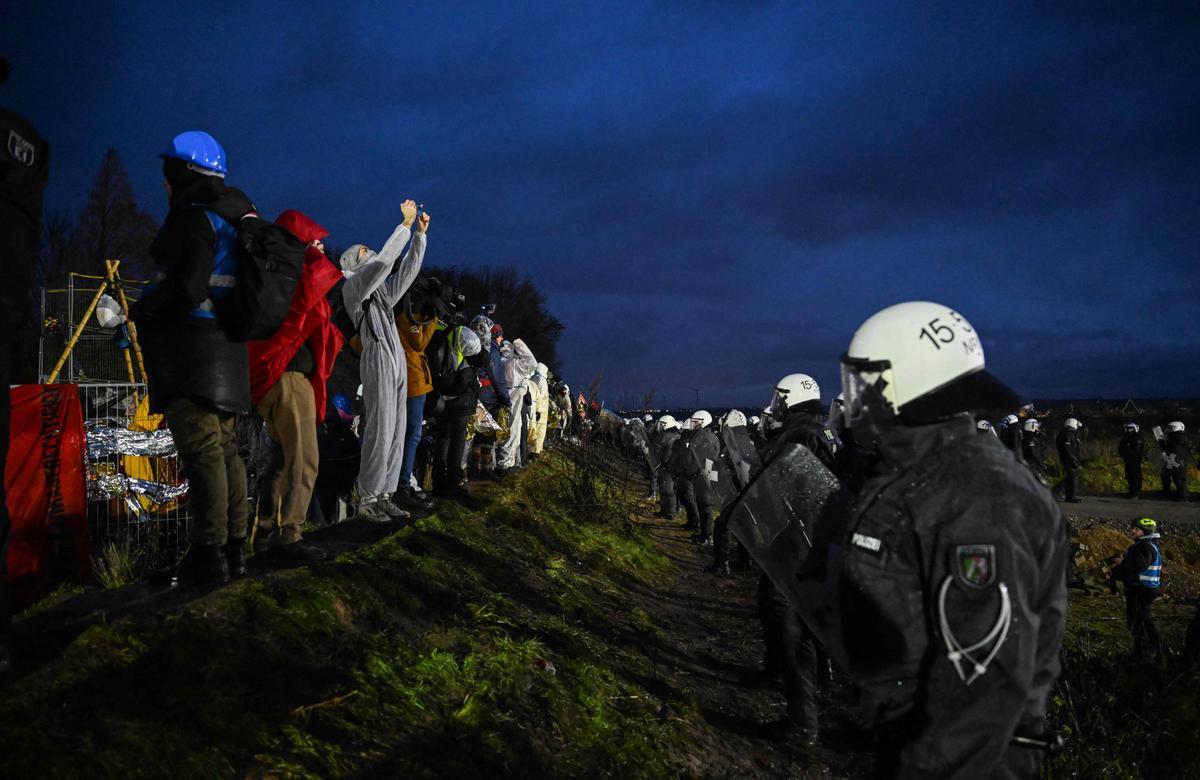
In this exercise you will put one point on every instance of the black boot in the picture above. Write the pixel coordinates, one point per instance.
(204, 564)
(235, 557)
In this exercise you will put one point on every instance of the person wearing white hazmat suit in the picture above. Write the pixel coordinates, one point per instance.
(541, 416)
(517, 370)
(371, 291)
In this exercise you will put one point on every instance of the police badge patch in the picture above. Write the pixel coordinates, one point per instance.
(975, 564)
(21, 150)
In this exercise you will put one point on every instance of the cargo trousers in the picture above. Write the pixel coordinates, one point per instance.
(286, 489)
(204, 439)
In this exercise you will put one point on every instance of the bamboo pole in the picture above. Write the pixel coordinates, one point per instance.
(78, 332)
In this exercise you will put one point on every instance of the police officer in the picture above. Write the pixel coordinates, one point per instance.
(701, 438)
(790, 647)
(682, 467)
(24, 169)
(664, 441)
(1068, 452)
(1010, 433)
(1141, 572)
(1132, 449)
(953, 573)
(1175, 462)
(1033, 447)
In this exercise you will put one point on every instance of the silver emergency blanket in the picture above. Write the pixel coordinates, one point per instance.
(103, 441)
(792, 519)
(102, 487)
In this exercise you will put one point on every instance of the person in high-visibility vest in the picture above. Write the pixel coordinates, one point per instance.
(1141, 571)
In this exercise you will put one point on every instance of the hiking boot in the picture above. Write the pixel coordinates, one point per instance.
(301, 552)
(372, 512)
(405, 498)
(392, 509)
(204, 564)
(235, 557)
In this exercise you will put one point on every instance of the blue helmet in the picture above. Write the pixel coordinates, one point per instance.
(198, 148)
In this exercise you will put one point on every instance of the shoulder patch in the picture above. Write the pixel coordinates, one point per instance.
(21, 150)
(974, 565)
(869, 543)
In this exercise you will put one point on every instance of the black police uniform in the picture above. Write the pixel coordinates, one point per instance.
(1033, 450)
(1175, 454)
(1068, 452)
(790, 648)
(663, 443)
(1132, 449)
(24, 169)
(956, 557)
(682, 466)
(1141, 572)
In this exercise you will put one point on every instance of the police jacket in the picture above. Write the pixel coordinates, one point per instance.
(952, 543)
(1132, 447)
(1010, 436)
(1068, 448)
(663, 444)
(186, 351)
(809, 430)
(1033, 446)
(1142, 565)
(1175, 451)
(24, 170)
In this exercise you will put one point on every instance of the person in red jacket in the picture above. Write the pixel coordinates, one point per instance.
(288, 373)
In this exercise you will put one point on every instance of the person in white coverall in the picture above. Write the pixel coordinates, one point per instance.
(371, 291)
(541, 409)
(517, 370)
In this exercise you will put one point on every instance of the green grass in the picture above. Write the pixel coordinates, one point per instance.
(470, 642)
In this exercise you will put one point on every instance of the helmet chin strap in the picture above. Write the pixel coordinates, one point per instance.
(205, 171)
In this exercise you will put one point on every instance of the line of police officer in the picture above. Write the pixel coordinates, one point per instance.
(935, 574)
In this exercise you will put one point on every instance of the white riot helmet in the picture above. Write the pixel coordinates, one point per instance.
(668, 423)
(647, 418)
(700, 419)
(754, 421)
(984, 425)
(1132, 428)
(733, 419)
(920, 359)
(1032, 425)
(1175, 426)
(1071, 423)
(1009, 420)
(793, 389)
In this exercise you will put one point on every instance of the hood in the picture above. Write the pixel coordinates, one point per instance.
(301, 226)
(351, 261)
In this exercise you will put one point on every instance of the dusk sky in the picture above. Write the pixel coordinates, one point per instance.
(711, 195)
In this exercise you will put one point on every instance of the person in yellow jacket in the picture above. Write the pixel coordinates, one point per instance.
(541, 408)
(416, 329)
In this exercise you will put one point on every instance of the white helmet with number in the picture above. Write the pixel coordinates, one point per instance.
(1071, 423)
(918, 358)
(1032, 425)
(667, 423)
(699, 419)
(794, 389)
(1175, 426)
(733, 419)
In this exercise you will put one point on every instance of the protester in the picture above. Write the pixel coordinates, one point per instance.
(541, 409)
(197, 374)
(415, 332)
(518, 369)
(493, 394)
(456, 355)
(371, 291)
(288, 374)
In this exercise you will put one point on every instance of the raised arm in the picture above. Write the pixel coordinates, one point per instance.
(398, 283)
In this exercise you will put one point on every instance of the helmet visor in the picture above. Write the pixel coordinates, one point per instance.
(868, 390)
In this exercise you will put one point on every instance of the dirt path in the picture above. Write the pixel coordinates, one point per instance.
(716, 640)
(1109, 507)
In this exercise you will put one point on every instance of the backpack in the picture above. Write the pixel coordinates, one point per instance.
(341, 318)
(270, 260)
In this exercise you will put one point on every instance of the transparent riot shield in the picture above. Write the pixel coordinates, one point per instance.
(739, 449)
(792, 519)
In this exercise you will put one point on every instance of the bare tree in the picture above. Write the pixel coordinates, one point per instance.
(112, 225)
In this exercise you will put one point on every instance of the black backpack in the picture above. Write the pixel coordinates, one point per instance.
(270, 260)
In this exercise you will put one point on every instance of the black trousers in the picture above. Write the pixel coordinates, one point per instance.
(791, 653)
(1070, 482)
(1179, 477)
(666, 492)
(1133, 476)
(450, 437)
(1146, 643)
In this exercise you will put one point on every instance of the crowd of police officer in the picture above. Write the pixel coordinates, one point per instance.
(927, 562)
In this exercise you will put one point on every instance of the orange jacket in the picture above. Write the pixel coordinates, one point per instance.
(415, 337)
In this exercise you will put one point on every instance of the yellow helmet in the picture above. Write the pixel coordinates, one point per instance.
(1146, 524)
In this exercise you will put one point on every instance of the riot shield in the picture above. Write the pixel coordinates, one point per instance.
(743, 457)
(714, 473)
(792, 519)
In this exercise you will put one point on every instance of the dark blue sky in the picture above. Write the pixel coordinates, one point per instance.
(712, 195)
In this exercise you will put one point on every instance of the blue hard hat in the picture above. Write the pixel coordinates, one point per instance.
(198, 148)
(342, 403)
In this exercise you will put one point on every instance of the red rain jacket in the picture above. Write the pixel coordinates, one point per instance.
(307, 322)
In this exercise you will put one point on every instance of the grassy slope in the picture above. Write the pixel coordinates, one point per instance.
(491, 638)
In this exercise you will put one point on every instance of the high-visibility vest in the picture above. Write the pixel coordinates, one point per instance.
(224, 274)
(1151, 576)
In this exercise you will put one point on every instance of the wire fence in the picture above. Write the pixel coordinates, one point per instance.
(96, 356)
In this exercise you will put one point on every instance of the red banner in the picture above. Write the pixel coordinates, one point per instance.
(47, 501)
